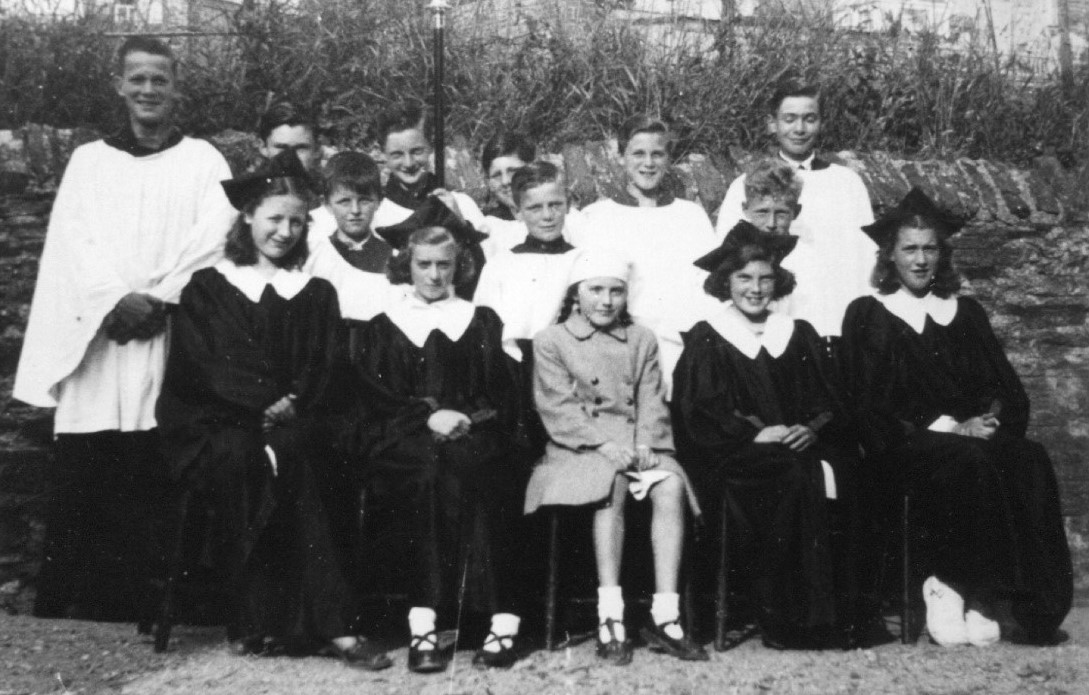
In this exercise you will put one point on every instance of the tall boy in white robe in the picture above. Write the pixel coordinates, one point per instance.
(136, 213)
(834, 206)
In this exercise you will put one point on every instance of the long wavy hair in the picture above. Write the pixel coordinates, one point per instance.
(571, 302)
(946, 280)
(240, 248)
(717, 283)
(399, 267)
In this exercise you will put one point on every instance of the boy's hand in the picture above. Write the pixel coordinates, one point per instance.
(645, 458)
(136, 315)
(981, 427)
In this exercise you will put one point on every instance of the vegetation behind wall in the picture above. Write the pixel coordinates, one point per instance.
(894, 92)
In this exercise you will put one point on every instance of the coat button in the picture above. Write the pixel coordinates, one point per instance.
(595, 381)
(630, 401)
(631, 421)
(593, 414)
(597, 401)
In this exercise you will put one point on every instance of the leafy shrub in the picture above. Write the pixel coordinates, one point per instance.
(349, 59)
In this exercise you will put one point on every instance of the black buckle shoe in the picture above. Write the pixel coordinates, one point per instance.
(659, 640)
(619, 653)
(427, 660)
(503, 658)
(364, 655)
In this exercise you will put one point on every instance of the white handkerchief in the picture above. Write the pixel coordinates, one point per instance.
(642, 481)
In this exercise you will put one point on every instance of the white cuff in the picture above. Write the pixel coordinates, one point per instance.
(945, 423)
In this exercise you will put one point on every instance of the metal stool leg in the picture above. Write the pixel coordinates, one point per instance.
(166, 608)
(722, 593)
(907, 630)
(553, 566)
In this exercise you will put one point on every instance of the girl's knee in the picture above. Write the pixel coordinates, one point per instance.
(670, 491)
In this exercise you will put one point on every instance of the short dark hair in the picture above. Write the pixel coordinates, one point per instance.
(532, 175)
(717, 283)
(410, 116)
(283, 113)
(145, 44)
(571, 300)
(643, 124)
(240, 248)
(771, 177)
(946, 281)
(352, 170)
(795, 87)
(399, 267)
(506, 144)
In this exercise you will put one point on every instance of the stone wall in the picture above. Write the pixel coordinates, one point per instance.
(1025, 255)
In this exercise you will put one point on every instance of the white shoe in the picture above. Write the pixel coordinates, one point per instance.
(982, 631)
(944, 613)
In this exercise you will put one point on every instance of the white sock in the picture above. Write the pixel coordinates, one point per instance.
(505, 626)
(420, 622)
(665, 609)
(610, 605)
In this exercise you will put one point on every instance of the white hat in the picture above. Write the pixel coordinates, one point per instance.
(599, 263)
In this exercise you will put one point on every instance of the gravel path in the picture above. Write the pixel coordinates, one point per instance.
(39, 656)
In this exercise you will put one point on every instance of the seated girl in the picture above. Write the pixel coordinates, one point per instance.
(944, 416)
(251, 367)
(405, 138)
(438, 391)
(599, 393)
(758, 432)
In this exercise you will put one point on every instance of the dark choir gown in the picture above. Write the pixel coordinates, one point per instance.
(438, 512)
(776, 498)
(278, 535)
(988, 509)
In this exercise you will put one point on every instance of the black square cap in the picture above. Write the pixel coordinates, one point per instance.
(243, 190)
(914, 204)
(433, 213)
(743, 234)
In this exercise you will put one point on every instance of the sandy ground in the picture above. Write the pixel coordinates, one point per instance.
(58, 656)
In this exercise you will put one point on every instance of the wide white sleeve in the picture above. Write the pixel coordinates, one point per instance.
(208, 232)
(469, 210)
(730, 212)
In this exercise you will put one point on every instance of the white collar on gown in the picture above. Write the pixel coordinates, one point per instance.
(286, 283)
(417, 318)
(913, 310)
(777, 332)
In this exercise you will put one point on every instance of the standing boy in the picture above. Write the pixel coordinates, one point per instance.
(834, 206)
(136, 213)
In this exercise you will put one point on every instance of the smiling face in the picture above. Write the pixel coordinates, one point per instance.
(408, 155)
(602, 299)
(796, 125)
(915, 256)
(752, 289)
(352, 211)
(500, 173)
(298, 138)
(770, 214)
(277, 224)
(432, 269)
(543, 210)
(646, 161)
(148, 87)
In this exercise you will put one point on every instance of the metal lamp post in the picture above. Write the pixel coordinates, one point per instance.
(439, 8)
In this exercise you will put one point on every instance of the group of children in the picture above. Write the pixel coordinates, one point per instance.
(466, 368)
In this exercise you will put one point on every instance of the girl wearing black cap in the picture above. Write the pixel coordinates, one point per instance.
(944, 415)
(250, 370)
(754, 420)
(439, 394)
